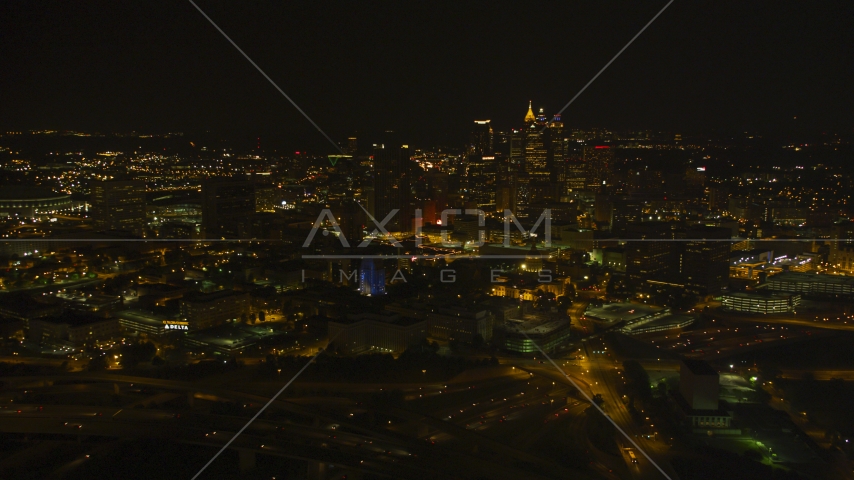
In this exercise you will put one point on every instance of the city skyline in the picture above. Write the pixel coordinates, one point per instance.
(470, 241)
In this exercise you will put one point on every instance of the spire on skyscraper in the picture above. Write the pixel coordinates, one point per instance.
(529, 117)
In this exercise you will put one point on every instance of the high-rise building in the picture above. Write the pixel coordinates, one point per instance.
(699, 384)
(505, 196)
(557, 143)
(705, 259)
(351, 219)
(623, 210)
(393, 170)
(576, 174)
(352, 146)
(119, 205)
(536, 146)
(517, 148)
(481, 140)
(647, 259)
(371, 278)
(481, 171)
(228, 205)
(599, 163)
(841, 254)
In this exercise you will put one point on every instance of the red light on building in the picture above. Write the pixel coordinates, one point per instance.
(599, 147)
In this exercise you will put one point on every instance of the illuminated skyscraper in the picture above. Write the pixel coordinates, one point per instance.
(480, 167)
(481, 172)
(517, 147)
(599, 163)
(371, 278)
(557, 150)
(536, 147)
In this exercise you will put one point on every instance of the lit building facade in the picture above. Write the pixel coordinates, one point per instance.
(759, 303)
(371, 278)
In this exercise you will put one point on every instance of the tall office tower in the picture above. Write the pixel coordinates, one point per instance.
(705, 259)
(599, 162)
(717, 197)
(517, 148)
(351, 219)
(623, 210)
(119, 205)
(501, 144)
(371, 278)
(523, 192)
(648, 260)
(437, 189)
(557, 149)
(227, 207)
(393, 184)
(576, 174)
(505, 195)
(352, 146)
(480, 166)
(841, 254)
(481, 139)
(536, 146)
(481, 171)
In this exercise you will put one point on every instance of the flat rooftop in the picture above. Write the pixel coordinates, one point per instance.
(142, 316)
(535, 327)
(232, 336)
(210, 297)
(664, 322)
(615, 312)
(699, 367)
(757, 295)
(802, 277)
(384, 317)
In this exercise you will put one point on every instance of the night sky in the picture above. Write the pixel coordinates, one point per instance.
(426, 69)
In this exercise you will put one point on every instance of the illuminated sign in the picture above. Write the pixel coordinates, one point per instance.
(598, 147)
(701, 169)
(176, 325)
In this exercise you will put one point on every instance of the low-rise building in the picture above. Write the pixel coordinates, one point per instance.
(368, 332)
(811, 284)
(73, 329)
(205, 310)
(146, 322)
(661, 324)
(764, 303)
(523, 334)
(230, 339)
(450, 322)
